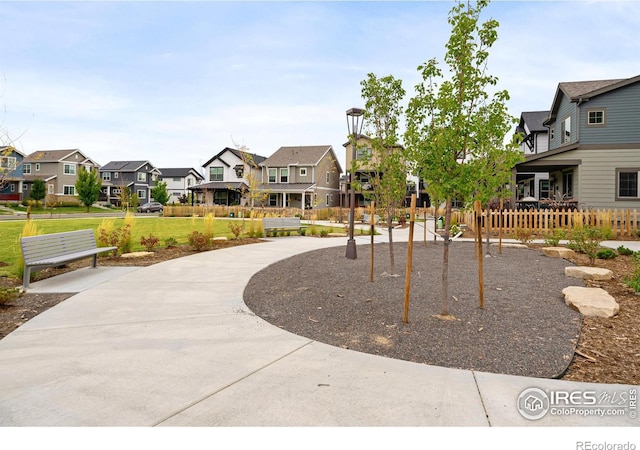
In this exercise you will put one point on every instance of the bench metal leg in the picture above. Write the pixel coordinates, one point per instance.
(26, 277)
(95, 261)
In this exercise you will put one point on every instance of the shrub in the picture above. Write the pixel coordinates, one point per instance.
(236, 228)
(109, 236)
(606, 253)
(209, 225)
(523, 235)
(634, 280)
(324, 232)
(150, 242)
(170, 242)
(622, 250)
(587, 240)
(554, 238)
(313, 230)
(198, 241)
(8, 295)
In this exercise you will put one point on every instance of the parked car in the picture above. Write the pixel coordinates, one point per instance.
(150, 207)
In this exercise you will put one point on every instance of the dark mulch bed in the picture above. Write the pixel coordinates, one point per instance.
(524, 329)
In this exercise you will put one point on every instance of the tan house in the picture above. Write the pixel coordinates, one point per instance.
(302, 177)
(58, 169)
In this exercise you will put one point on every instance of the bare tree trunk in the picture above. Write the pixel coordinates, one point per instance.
(445, 259)
(392, 261)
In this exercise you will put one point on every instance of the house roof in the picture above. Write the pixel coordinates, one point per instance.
(240, 154)
(55, 156)
(125, 166)
(180, 172)
(285, 187)
(297, 156)
(13, 150)
(534, 121)
(237, 185)
(579, 91)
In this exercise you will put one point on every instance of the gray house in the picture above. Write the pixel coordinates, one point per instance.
(137, 176)
(594, 144)
(58, 169)
(302, 177)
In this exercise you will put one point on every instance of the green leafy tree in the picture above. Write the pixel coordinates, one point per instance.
(457, 122)
(38, 190)
(124, 197)
(159, 192)
(88, 187)
(386, 161)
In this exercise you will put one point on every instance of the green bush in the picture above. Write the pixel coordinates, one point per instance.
(554, 238)
(170, 242)
(622, 250)
(606, 253)
(633, 281)
(198, 241)
(8, 295)
(587, 240)
(149, 242)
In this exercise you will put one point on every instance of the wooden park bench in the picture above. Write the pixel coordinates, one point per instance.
(366, 218)
(52, 250)
(281, 224)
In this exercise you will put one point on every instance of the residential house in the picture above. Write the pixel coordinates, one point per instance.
(302, 177)
(11, 176)
(366, 167)
(229, 177)
(58, 169)
(137, 176)
(535, 140)
(594, 144)
(179, 181)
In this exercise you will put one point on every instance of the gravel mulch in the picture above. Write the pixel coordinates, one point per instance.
(524, 329)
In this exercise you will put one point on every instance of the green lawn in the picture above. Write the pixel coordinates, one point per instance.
(161, 227)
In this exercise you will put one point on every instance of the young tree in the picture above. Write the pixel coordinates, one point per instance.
(88, 187)
(124, 197)
(457, 122)
(387, 161)
(159, 192)
(38, 190)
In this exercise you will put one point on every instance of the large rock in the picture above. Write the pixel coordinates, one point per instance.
(558, 252)
(591, 301)
(588, 273)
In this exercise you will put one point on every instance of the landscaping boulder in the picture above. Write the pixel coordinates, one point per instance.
(558, 252)
(591, 301)
(588, 273)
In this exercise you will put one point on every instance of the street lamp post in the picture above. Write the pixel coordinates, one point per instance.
(354, 124)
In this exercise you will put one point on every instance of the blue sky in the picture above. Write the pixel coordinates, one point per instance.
(176, 82)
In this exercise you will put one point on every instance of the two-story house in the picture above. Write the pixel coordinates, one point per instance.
(367, 167)
(58, 169)
(11, 176)
(229, 177)
(594, 144)
(535, 140)
(137, 176)
(180, 181)
(302, 177)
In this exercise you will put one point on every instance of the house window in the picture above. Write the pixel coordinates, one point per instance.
(12, 187)
(326, 199)
(552, 133)
(50, 190)
(26, 169)
(544, 190)
(273, 199)
(68, 190)
(8, 162)
(189, 181)
(106, 176)
(363, 153)
(115, 175)
(272, 175)
(284, 175)
(69, 169)
(216, 173)
(303, 171)
(220, 197)
(176, 179)
(239, 169)
(142, 194)
(37, 167)
(327, 177)
(565, 130)
(595, 117)
(142, 176)
(628, 184)
(567, 184)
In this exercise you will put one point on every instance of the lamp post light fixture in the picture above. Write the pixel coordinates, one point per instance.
(354, 125)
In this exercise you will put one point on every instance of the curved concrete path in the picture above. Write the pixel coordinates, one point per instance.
(174, 345)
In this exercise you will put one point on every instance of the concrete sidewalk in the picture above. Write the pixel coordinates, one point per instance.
(174, 345)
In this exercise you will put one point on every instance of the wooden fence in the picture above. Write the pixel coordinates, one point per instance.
(624, 222)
